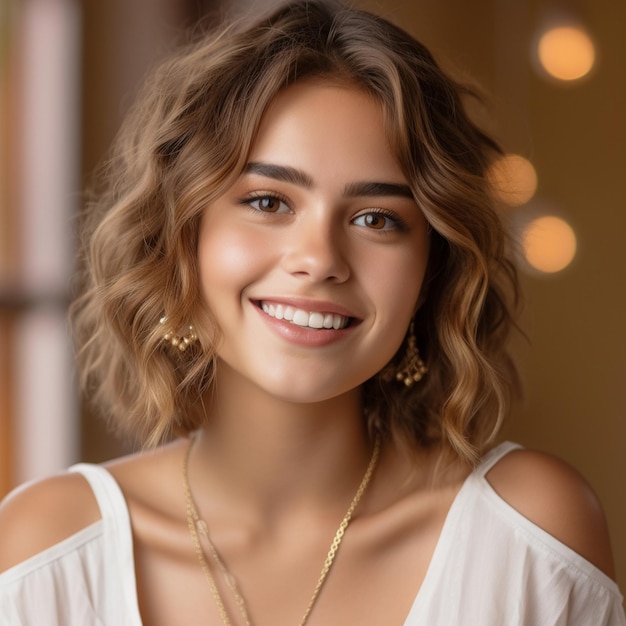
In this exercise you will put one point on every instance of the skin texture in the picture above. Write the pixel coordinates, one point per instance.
(283, 447)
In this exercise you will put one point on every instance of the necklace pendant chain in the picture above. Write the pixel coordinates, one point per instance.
(198, 526)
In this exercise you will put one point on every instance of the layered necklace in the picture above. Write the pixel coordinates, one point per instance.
(198, 527)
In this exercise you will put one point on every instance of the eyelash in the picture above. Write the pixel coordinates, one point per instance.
(399, 223)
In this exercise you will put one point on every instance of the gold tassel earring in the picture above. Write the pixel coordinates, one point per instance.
(181, 342)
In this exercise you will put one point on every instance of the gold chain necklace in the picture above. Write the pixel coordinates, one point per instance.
(197, 526)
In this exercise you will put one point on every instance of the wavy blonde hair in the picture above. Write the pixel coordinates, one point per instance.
(184, 144)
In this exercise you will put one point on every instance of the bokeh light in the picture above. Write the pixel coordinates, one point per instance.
(549, 244)
(513, 179)
(566, 52)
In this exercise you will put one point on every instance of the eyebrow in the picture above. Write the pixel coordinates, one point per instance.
(298, 177)
(280, 172)
(378, 189)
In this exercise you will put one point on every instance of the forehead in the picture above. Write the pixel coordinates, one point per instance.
(322, 124)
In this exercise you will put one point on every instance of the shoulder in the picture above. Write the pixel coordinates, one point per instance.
(555, 497)
(39, 515)
(150, 478)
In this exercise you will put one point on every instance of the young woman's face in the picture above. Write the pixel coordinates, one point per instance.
(312, 262)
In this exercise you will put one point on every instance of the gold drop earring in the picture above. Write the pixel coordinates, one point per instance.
(412, 368)
(181, 342)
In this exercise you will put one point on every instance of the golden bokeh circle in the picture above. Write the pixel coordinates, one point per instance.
(566, 52)
(549, 244)
(513, 179)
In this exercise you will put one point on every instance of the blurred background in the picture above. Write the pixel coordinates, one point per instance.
(553, 75)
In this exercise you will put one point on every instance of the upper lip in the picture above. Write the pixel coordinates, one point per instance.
(307, 304)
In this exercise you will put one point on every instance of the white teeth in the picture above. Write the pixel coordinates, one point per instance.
(316, 320)
(304, 318)
(301, 318)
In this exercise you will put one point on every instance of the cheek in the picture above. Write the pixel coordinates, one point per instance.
(400, 287)
(227, 260)
(397, 280)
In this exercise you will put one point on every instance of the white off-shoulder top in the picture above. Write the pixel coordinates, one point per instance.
(491, 567)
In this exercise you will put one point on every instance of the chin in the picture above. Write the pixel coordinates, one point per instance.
(311, 392)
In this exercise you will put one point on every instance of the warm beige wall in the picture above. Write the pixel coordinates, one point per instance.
(575, 365)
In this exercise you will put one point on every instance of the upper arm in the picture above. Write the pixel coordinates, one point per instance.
(555, 497)
(41, 514)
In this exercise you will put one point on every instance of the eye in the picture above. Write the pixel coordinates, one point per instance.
(379, 220)
(267, 203)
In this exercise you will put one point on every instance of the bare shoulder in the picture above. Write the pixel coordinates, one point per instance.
(553, 495)
(150, 478)
(39, 515)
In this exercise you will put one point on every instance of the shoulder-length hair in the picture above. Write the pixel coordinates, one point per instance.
(184, 144)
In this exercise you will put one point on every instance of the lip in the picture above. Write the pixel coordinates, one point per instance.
(302, 335)
(307, 304)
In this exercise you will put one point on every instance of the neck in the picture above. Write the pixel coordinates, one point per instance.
(266, 453)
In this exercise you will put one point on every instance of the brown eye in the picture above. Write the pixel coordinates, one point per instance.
(375, 221)
(267, 204)
(380, 220)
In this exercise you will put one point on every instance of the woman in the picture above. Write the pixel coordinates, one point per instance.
(297, 298)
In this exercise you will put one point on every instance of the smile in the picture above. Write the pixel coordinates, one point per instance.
(308, 319)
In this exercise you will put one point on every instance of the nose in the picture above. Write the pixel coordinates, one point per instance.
(316, 251)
